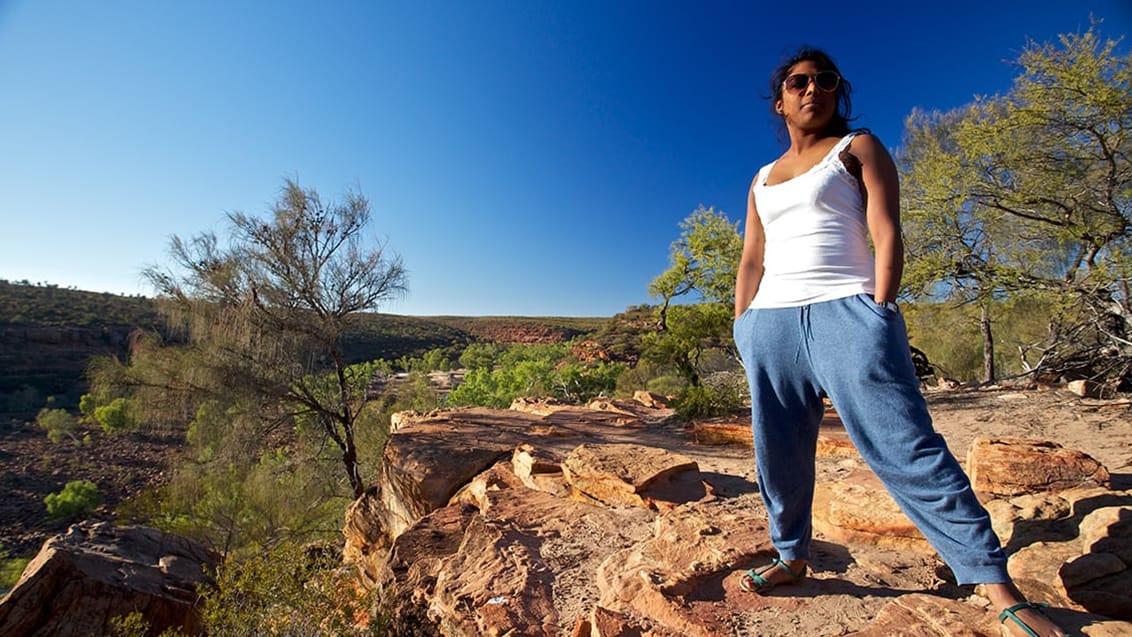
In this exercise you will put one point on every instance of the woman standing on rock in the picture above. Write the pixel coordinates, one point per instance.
(815, 314)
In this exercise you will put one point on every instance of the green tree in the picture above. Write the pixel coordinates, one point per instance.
(703, 261)
(702, 267)
(1028, 195)
(262, 316)
(480, 355)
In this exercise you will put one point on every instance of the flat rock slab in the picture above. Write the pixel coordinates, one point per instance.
(676, 577)
(858, 510)
(833, 440)
(1013, 466)
(619, 474)
(919, 615)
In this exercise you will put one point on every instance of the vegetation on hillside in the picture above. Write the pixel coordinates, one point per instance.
(47, 305)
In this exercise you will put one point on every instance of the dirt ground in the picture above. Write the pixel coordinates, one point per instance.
(31, 467)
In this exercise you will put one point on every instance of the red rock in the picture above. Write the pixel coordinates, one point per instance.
(722, 433)
(539, 469)
(96, 572)
(1012, 466)
(833, 440)
(618, 474)
(1100, 580)
(858, 509)
(650, 399)
(483, 565)
(659, 578)
(919, 615)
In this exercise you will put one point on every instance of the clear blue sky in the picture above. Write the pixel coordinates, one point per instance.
(523, 157)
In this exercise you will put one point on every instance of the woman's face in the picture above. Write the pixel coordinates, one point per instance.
(811, 108)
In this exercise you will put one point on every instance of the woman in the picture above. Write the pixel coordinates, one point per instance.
(816, 315)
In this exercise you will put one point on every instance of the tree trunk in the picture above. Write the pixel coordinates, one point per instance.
(988, 345)
(350, 460)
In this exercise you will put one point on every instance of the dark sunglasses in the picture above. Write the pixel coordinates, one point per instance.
(824, 80)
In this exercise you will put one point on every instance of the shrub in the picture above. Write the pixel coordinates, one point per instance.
(11, 568)
(57, 423)
(290, 590)
(115, 416)
(77, 499)
(720, 395)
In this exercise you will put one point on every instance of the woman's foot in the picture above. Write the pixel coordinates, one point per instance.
(778, 572)
(1007, 596)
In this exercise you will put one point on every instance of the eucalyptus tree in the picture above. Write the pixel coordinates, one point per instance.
(1029, 195)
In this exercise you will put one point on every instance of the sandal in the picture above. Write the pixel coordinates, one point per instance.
(1009, 614)
(754, 582)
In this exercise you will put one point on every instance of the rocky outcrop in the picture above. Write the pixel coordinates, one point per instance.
(430, 457)
(93, 573)
(1072, 546)
(602, 520)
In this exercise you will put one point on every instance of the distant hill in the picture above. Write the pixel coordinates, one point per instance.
(49, 334)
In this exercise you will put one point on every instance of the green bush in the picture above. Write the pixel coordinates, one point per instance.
(58, 424)
(115, 416)
(480, 356)
(719, 398)
(671, 384)
(77, 499)
(11, 568)
(292, 591)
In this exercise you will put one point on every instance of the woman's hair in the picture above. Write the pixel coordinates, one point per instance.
(839, 125)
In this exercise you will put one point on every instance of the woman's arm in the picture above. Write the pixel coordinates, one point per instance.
(882, 212)
(750, 273)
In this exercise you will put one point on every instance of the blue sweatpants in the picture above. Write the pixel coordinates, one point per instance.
(856, 352)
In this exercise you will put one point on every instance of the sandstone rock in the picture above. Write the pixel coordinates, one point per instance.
(618, 474)
(692, 545)
(1035, 570)
(539, 469)
(95, 572)
(423, 466)
(433, 455)
(722, 433)
(607, 405)
(1049, 516)
(491, 562)
(1109, 530)
(649, 549)
(858, 509)
(650, 399)
(603, 622)
(539, 406)
(1012, 466)
(1100, 580)
(833, 440)
(919, 615)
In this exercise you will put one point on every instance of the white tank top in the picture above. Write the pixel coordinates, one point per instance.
(817, 239)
